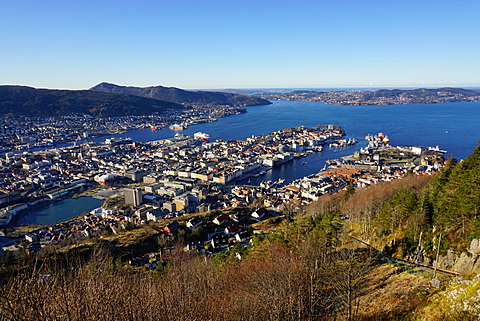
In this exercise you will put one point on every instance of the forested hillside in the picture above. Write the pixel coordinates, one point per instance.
(398, 212)
(455, 195)
(180, 96)
(27, 101)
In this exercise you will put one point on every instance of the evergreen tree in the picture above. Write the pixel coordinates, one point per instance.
(456, 194)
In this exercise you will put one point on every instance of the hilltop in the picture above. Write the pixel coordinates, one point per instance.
(181, 96)
(28, 101)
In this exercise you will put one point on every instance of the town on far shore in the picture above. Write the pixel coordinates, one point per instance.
(377, 97)
(191, 184)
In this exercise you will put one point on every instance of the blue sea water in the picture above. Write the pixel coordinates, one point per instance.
(454, 127)
(61, 210)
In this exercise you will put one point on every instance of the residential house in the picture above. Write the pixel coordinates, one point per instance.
(194, 223)
(220, 219)
(172, 227)
(259, 213)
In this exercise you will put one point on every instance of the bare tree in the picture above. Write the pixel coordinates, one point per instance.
(347, 273)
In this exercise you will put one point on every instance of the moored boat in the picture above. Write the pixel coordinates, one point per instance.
(201, 136)
(178, 127)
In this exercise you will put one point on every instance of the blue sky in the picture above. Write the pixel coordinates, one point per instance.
(207, 44)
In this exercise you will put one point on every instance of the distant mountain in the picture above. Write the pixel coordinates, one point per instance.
(185, 97)
(380, 97)
(28, 101)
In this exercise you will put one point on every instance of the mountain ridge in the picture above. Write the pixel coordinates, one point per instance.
(28, 101)
(181, 96)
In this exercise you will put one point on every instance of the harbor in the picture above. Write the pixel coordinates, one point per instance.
(245, 125)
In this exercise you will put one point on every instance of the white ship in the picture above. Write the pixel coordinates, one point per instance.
(178, 127)
(201, 135)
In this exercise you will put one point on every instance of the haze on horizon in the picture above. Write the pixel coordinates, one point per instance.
(215, 44)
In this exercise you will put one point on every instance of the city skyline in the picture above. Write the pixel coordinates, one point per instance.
(239, 44)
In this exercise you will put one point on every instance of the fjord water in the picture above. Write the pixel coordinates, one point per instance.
(454, 127)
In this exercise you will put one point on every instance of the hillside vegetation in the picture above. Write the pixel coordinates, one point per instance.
(306, 268)
(27, 101)
(181, 96)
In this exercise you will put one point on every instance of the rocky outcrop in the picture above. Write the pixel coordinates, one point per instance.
(464, 263)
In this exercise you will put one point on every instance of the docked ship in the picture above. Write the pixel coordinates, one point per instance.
(269, 184)
(178, 126)
(118, 141)
(377, 140)
(201, 135)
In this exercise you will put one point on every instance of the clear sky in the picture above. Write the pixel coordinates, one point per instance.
(210, 44)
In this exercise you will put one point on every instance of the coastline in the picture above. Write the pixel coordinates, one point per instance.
(357, 125)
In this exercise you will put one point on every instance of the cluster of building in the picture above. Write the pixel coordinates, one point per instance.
(28, 133)
(184, 175)
(91, 225)
(219, 233)
(377, 162)
(176, 176)
(368, 97)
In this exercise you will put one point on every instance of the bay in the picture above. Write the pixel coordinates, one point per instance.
(61, 210)
(454, 127)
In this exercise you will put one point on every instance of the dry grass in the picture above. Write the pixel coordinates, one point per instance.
(393, 294)
(269, 224)
(20, 231)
